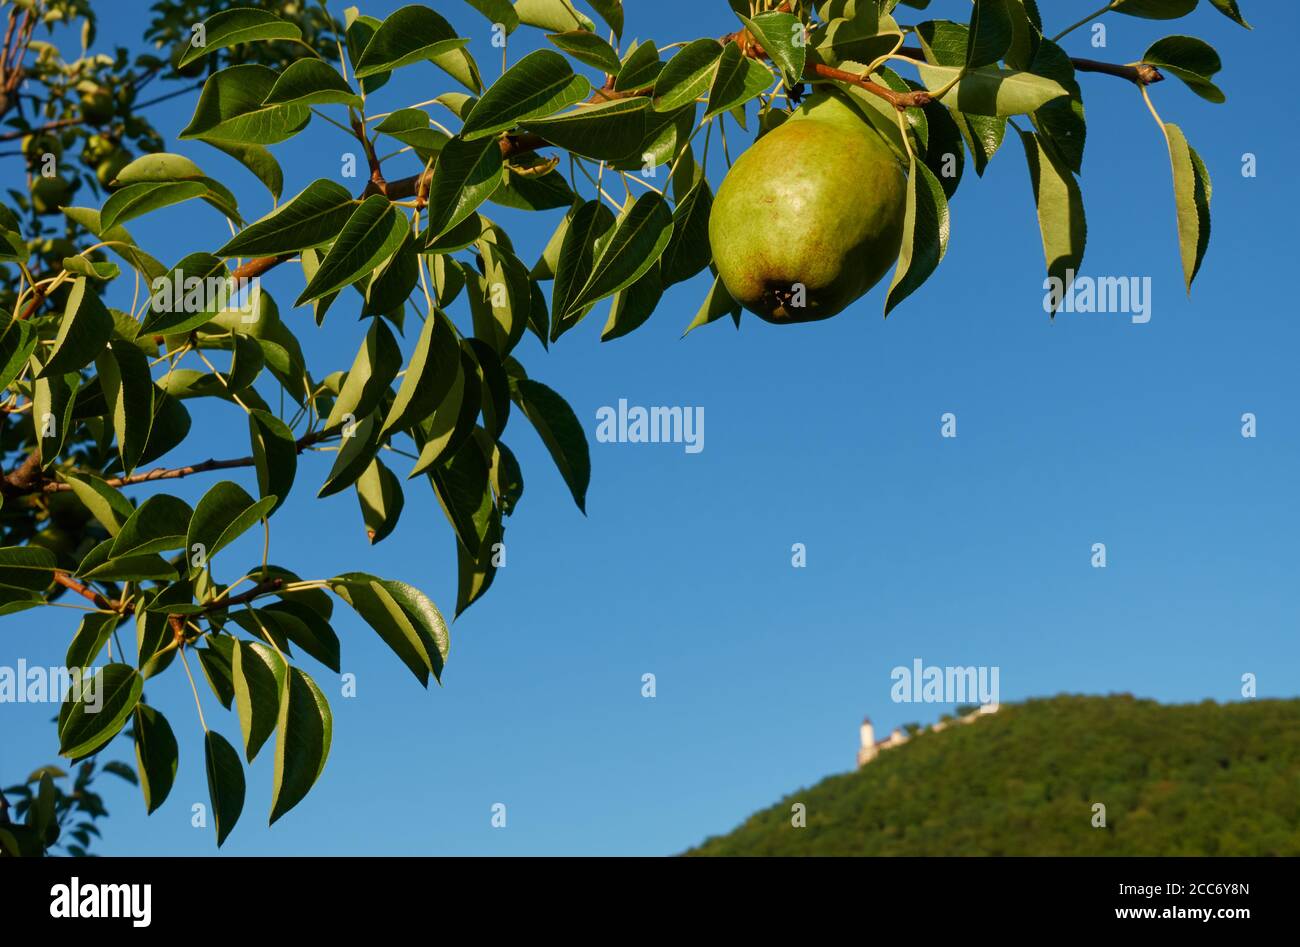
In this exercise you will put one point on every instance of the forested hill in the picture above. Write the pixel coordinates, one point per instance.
(1194, 779)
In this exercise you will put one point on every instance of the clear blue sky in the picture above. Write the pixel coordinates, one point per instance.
(967, 551)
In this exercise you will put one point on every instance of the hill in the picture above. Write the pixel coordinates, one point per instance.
(1193, 779)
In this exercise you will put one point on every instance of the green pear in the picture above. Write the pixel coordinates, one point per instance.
(811, 216)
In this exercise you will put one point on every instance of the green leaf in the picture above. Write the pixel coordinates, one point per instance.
(638, 239)
(275, 455)
(379, 491)
(1192, 192)
(302, 741)
(136, 200)
(590, 223)
(588, 48)
(373, 370)
(17, 343)
(945, 43)
(158, 524)
(225, 783)
(92, 634)
(540, 84)
(552, 15)
(991, 90)
(560, 431)
(128, 387)
(53, 399)
(443, 431)
(315, 216)
(230, 108)
(717, 303)
(258, 674)
(107, 504)
(738, 79)
(305, 628)
(1155, 9)
(611, 11)
(462, 487)
(221, 516)
(640, 67)
(357, 449)
(990, 34)
(26, 567)
(156, 755)
(607, 131)
(1061, 121)
(688, 252)
(1230, 9)
(122, 243)
(497, 11)
(429, 374)
(925, 234)
(500, 298)
(312, 82)
(411, 34)
(215, 657)
(403, 616)
(783, 38)
(84, 330)
(1060, 208)
(1191, 60)
(467, 174)
(257, 160)
(634, 304)
(687, 75)
(373, 233)
(96, 707)
(239, 25)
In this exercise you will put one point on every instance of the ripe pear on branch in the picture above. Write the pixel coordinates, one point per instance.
(811, 216)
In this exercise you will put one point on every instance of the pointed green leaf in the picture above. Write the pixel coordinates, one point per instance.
(312, 82)
(237, 25)
(373, 370)
(302, 741)
(403, 616)
(560, 431)
(158, 524)
(225, 783)
(224, 513)
(96, 707)
(540, 84)
(156, 755)
(687, 76)
(83, 332)
(1192, 192)
(409, 35)
(1060, 208)
(588, 48)
(372, 234)
(783, 38)
(258, 675)
(925, 234)
(92, 634)
(379, 491)
(310, 219)
(607, 131)
(230, 108)
(275, 455)
(738, 79)
(429, 375)
(637, 241)
(26, 567)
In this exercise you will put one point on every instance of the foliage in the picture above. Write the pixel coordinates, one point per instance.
(96, 393)
(47, 819)
(1193, 779)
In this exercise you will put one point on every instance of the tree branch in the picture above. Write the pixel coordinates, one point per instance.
(68, 582)
(1138, 73)
(175, 473)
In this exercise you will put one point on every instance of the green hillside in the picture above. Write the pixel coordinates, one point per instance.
(1195, 779)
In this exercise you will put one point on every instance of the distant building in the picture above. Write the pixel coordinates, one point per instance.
(870, 748)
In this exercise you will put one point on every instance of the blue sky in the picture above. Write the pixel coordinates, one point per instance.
(967, 551)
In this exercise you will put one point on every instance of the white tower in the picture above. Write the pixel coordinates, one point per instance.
(867, 751)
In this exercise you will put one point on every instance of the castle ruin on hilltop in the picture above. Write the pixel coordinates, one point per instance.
(871, 748)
